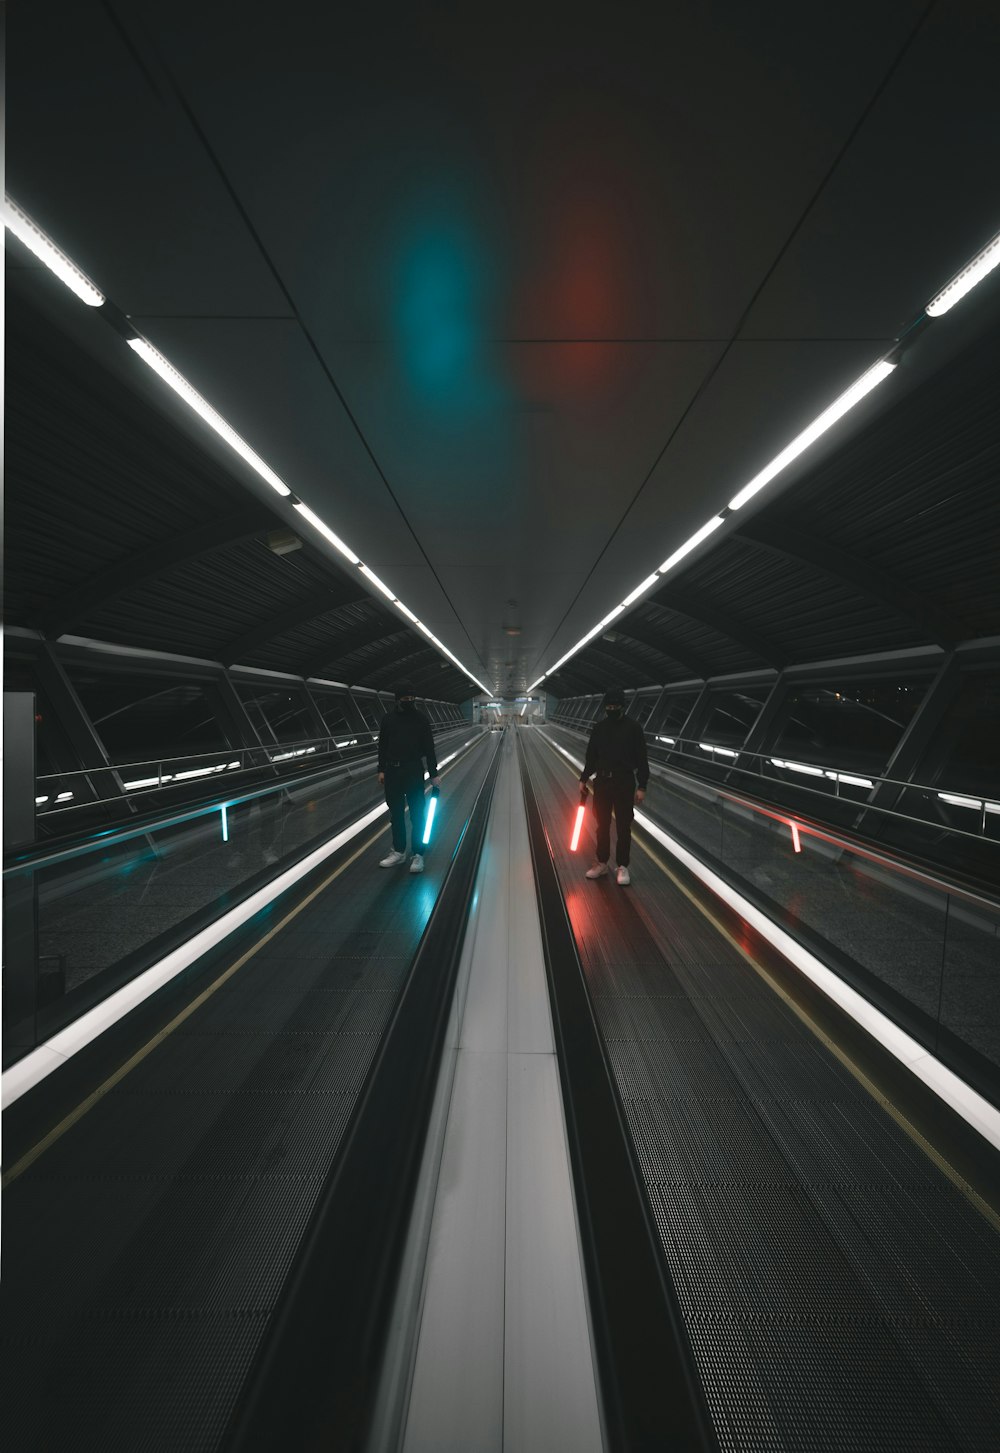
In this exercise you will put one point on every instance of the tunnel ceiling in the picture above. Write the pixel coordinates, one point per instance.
(514, 308)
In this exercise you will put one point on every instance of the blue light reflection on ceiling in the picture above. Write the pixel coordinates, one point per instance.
(441, 305)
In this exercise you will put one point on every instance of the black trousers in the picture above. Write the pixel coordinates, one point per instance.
(617, 793)
(404, 787)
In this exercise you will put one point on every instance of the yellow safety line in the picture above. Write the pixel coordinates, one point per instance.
(984, 1207)
(56, 1133)
(78, 1113)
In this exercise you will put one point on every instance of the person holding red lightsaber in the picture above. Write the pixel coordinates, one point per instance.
(616, 759)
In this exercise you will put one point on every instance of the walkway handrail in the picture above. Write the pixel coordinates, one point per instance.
(870, 781)
(262, 756)
(35, 857)
(841, 840)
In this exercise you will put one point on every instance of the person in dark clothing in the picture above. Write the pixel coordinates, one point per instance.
(616, 759)
(405, 742)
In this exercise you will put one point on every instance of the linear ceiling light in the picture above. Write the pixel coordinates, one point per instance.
(190, 395)
(16, 220)
(635, 594)
(857, 391)
(204, 410)
(963, 282)
(326, 532)
(974, 271)
(707, 529)
(379, 584)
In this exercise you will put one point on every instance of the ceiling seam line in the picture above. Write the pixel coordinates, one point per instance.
(196, 127)
(824, 181)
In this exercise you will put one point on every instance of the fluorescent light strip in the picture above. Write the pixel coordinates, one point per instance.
(797, 767)
(326, 532)
(977, 803)
(16, 220)
(721, 751)
(840, 406)
(671, 741)
(631, 599)
(40, 1062)
(379, 584)
(707, 529)
(801, 442)
(848, 777)
(22, 226)
(978, 1112)
(963, 282)
(165, 370)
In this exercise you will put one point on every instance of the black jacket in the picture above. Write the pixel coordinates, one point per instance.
(617, 748)
(405, 737)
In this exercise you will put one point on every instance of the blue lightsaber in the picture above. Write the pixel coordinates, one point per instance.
(429, 818)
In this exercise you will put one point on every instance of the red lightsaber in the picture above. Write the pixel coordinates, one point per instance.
(574, 843)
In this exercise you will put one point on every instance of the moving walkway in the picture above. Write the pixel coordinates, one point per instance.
(788, 1242)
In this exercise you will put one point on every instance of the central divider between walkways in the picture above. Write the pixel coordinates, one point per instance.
(316, 1376)
(651, 1390)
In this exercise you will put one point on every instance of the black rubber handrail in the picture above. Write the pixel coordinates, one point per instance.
(650, 1389)
(315, 1379)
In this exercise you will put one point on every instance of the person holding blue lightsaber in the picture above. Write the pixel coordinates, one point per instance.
(405, 742)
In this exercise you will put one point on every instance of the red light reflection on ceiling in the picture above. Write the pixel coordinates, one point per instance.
(588, 270)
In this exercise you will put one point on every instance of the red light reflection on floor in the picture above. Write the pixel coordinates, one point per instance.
(579, 907)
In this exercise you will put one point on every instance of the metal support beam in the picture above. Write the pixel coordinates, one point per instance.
(759, 734)
(647, 637)
(140, 566)
(692, 722)
(395, 655)
(355, 715)
(698, 607)
(319, 726)
(574, 679)
(336, 652)
(871, 580)
(310, 607)
(72, 716)
(905, 761)
(235, 719)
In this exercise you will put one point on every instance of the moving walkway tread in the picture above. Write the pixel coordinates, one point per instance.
(839, 1290)
(146, 1249)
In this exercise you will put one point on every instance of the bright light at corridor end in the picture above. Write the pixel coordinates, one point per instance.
(16, 220)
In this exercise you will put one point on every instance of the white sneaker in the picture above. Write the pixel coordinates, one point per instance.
(416, 863)
(624, 877)
(392, 860)
(597, 871)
